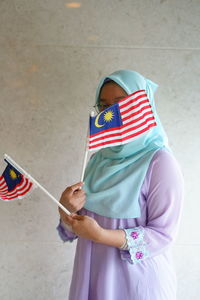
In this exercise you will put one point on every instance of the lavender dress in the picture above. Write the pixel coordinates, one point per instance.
(145, 271)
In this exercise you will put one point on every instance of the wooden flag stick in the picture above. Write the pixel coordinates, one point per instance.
(84, 165)
(15, 165)
(86, 151)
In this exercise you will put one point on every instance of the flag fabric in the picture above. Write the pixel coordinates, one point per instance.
(122, 122)
(14, 185)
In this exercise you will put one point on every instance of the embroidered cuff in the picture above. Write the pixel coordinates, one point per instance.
(136, 243)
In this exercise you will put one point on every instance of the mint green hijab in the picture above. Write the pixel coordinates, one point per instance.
(114, 175)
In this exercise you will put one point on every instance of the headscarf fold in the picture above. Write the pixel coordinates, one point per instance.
(114, 175)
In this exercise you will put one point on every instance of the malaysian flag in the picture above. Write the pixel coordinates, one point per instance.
(14, 184)
(122, 122)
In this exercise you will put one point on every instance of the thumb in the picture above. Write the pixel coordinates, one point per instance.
(68, 220)
(77, 217)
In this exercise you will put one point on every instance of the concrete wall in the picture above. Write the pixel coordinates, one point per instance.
(51, 58)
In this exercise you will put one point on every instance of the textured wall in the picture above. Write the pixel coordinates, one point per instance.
(51, 58)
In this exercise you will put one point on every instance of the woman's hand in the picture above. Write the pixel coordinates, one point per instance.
(88, 228)
(84, 226)
(73, 198)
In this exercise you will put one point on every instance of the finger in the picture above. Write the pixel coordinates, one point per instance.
(77, 217)
(73, 187)
(76, 186)
(73, 214)
(79, 193)
(65, 221)
(68, 220)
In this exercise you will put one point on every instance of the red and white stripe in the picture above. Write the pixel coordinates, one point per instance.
(137, 118)
(19, 192)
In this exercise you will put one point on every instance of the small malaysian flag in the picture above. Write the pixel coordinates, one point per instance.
(14, 184)
(122, 122)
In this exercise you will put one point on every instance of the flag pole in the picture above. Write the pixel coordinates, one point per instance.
(85, 158)
(12, 162)
(84, 164)
(86, 151)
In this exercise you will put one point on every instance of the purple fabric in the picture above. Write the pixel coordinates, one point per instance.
(108, 273)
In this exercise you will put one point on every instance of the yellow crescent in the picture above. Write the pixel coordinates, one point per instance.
(97, 119)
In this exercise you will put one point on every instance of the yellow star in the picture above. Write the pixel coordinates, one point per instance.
(13, 175)
(108, 116)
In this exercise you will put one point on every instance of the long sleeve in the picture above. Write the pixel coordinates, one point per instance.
(164, 191)
(65, 232)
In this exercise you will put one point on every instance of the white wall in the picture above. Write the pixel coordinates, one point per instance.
(51, 58)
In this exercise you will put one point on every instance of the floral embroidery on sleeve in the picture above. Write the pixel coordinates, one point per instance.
(136, 244)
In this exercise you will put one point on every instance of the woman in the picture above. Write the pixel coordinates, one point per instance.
(128, 211)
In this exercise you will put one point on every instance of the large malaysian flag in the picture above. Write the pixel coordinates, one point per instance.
(122, 122)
